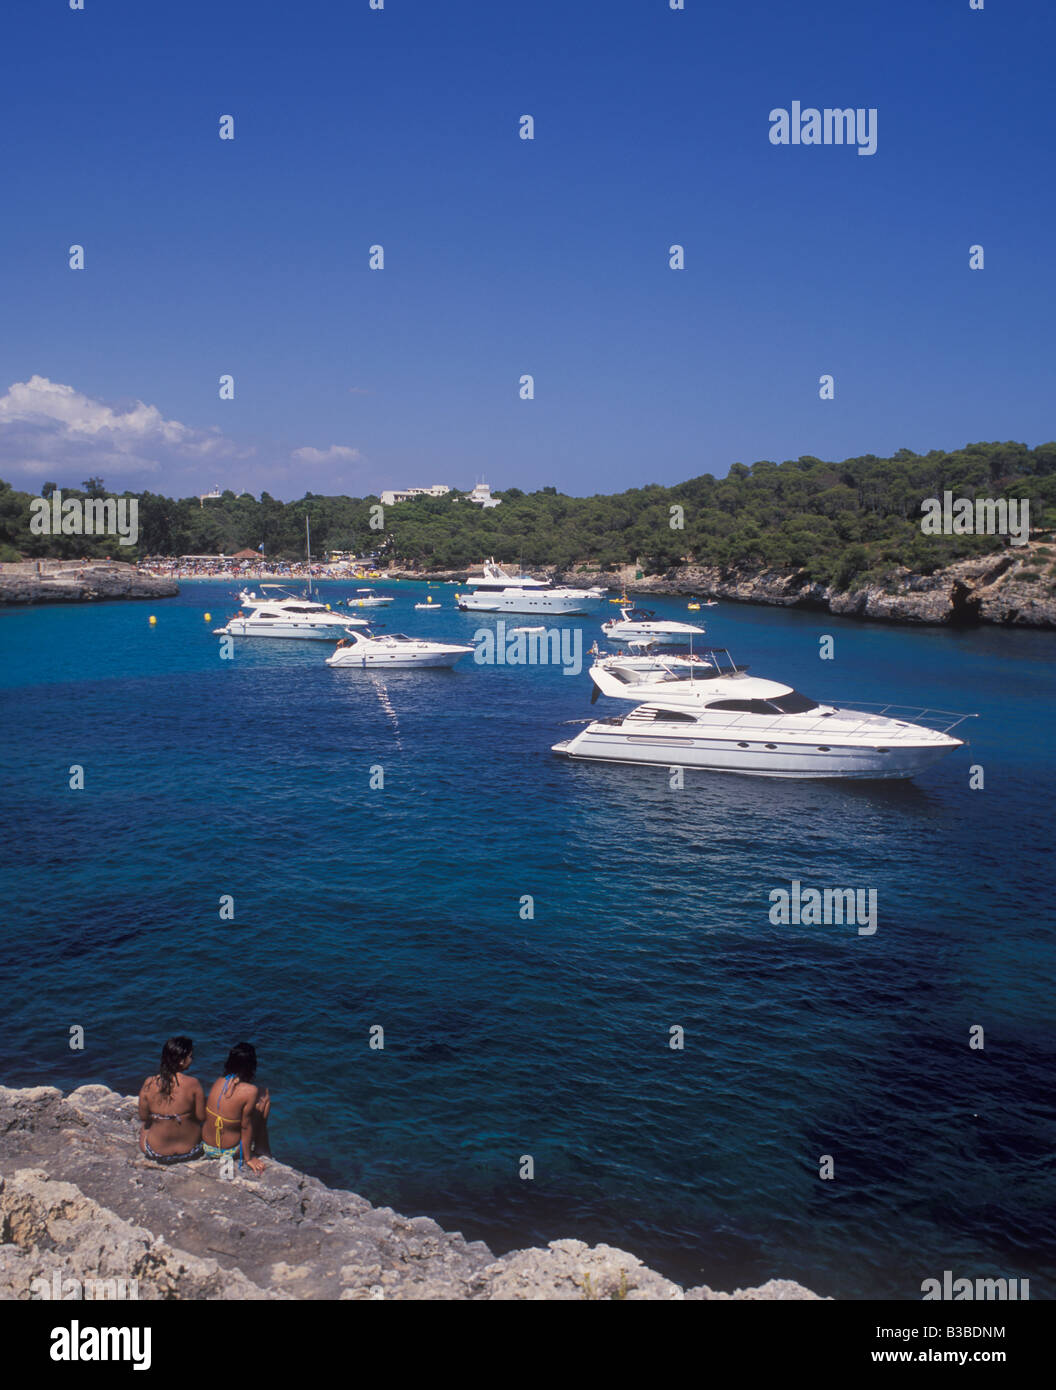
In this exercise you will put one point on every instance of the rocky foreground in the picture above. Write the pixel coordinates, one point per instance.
(77, 581)
(77, 1200)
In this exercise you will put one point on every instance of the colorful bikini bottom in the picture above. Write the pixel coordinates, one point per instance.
(211, 1151)
(196, 1152)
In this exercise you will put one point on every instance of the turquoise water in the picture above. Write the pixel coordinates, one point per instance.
(400, 907)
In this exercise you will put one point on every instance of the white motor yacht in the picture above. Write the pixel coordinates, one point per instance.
(278, 613)
(721, 719)
(495, 591)
(641, 622)
(394, 650)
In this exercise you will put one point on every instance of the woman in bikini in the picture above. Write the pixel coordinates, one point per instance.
(237, 1111)
(172, 1107)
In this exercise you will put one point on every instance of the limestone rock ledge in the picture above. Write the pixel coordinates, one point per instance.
(1010, 587)
(75, 581)
(77, 1201)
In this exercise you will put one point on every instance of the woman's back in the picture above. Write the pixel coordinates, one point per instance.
(175, 1119)
(226, 1107)
(236, 1113)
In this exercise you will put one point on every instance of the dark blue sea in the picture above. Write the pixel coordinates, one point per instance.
(400, 907)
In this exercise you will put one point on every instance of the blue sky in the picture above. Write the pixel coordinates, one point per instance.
(503, 256)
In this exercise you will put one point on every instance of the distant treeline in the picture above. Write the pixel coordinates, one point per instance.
(839, 521)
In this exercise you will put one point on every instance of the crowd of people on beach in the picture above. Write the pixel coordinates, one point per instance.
(190, 567)
(181, 1121)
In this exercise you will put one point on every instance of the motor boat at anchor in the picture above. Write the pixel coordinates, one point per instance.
(641, 622)
(278, 613)
(394, 650)
(367, 598)
(496, 591)
(722, 719)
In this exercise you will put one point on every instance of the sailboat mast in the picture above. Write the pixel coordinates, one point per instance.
(308, 547)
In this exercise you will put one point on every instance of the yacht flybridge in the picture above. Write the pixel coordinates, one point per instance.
(722, 719)
(647, 659)
(394, 650)
(496, 591)
(641, 623)
(278, 613)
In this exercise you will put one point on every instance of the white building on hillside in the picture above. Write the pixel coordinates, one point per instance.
(481, 494)
(391, 496)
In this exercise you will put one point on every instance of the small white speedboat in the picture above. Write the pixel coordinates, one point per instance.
(429, 607)
(641, 623)
(367, 598)
(394, 650)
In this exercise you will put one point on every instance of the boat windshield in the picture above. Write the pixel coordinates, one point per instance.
(793, 703)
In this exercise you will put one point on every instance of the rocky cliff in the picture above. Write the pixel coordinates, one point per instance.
(77, 581)
(79, 1203)
(1014, 586)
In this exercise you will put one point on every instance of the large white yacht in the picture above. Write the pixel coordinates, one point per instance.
(278, 613)
(642, 623)
(722, 719)
(496, 591)
(394, 650)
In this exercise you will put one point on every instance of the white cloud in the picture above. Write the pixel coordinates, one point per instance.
(336, 453)
(47, 427)
(52, 431)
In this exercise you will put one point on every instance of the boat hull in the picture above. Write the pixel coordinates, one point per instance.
(394, 661)
(528, 603)
(640, 632)
(753, 758)
(325, 632)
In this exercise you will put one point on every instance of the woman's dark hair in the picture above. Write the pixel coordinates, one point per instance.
(173, 1055)
(242, 1061)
